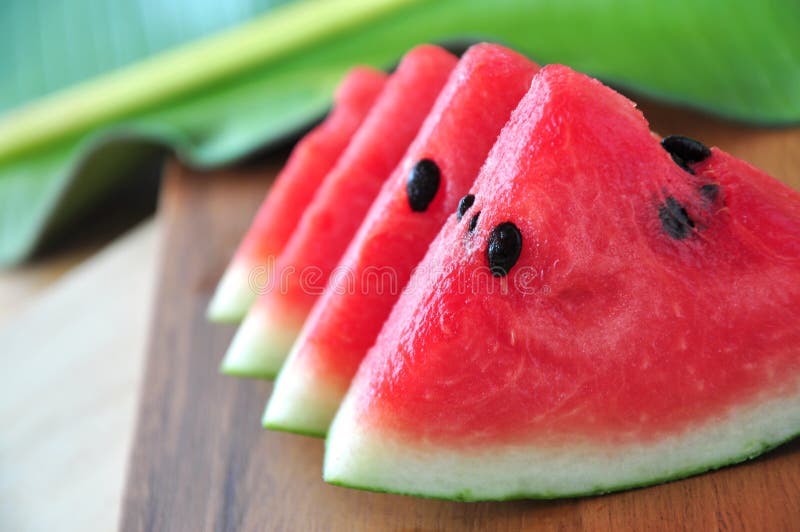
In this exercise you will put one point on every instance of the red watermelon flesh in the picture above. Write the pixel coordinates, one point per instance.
(611, 320)
(443, 161)
(310, 161)
(329, 223)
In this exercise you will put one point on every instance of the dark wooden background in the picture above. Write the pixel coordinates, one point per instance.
(201, 461)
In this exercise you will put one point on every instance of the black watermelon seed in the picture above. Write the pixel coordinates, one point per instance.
(422, 184)
(464, 205)
(685, 151)
(473, 223)
(680, 162)
(690, 150)
(710, 192)
(503, 248)
(674, 219)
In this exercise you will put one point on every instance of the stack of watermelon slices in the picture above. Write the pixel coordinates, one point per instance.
(542, 300)
(331, 219)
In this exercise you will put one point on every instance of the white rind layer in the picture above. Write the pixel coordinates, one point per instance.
(359, 457)
(259, 347)
(233, 297)
(301, 402)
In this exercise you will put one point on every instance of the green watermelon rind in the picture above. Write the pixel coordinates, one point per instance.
(292, 424)
(302, 402)
(362, 455)
(258, 349)
(233, 296)
(292, 430)
(466, 495)
(247, 373)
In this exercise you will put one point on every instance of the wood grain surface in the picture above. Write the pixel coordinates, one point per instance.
(201, 461)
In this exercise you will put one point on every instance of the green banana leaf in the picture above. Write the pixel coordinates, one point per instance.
(48, 45)
(223, 97)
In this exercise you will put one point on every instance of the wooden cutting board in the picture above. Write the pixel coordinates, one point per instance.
(201, 461)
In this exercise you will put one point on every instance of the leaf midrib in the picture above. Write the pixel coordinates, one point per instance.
(79, 109)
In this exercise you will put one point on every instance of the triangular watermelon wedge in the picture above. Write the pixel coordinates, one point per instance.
(301, 272)
(423, 191)
(602, 317)
(311, 160)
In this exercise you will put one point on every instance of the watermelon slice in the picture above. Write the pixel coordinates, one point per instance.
(426, 187)
(302, 270)
(310, 161)
(600, 318)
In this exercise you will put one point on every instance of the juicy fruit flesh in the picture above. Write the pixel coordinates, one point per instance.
(333, 217)
(315, 155)
(309, 163)
(422, 192)
(327, 226)
(607, 327)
